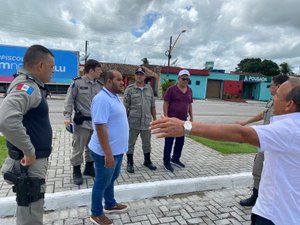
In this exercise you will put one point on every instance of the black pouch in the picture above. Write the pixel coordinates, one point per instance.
(78, 118)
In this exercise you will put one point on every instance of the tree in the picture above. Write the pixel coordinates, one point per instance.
(285, 68)
(269, 68)
(249, 65)
(145, 61)
(256, 65)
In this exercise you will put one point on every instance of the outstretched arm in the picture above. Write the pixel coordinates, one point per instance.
(173, 127)
(256, 118)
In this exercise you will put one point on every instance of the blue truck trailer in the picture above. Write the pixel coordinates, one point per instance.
(66, 67)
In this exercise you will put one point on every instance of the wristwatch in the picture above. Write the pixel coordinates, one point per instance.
(187, 127)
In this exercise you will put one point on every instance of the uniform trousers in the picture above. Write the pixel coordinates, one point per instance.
(81, 139)
(257, 169)
(146, 140)
(32, 214)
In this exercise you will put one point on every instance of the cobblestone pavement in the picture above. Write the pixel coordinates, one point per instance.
(203, 208)
(212, 207)
(200, 162)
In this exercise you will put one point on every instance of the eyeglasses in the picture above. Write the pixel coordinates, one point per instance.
(271, 85)
(185, 79)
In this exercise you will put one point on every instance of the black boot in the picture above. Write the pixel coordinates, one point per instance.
(130, 168)
(250, 201)
(147, 161)
(77, 176)
(89, 169)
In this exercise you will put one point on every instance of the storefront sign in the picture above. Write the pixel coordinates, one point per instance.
(254, 78)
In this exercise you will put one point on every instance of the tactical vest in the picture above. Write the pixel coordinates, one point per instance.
(38, 128)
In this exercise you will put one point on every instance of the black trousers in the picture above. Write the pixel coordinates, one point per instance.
(258, 220)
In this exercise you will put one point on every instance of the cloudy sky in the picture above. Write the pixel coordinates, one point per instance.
(125, 31)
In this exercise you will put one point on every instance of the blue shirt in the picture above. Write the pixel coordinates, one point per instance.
(108, 109)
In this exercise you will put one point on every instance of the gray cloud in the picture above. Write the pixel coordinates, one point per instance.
(224, 31)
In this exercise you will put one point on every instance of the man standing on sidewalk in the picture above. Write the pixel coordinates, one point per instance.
(79, 97)
(278, 201)
(259, 158)
(177, 103)
(140, 107)
(108, 144)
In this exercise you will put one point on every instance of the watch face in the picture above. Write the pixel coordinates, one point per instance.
(188, 125)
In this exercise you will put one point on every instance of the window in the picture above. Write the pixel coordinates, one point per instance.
(197, 82)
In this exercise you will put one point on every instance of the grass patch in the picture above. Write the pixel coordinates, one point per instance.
(226, 147)
(3, 150)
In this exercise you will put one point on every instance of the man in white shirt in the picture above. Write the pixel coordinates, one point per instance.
(279, 198)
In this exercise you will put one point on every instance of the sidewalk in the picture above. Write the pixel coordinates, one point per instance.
(204, 208)
(211, 207)
(200, 162)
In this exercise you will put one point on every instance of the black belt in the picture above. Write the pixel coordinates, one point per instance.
(87, 118)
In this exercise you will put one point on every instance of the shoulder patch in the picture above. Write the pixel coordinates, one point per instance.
(24, 87)
(77, 78)
(72, 85)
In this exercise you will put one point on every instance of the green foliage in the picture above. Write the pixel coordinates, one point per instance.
(285, 68)
(256, 65)
(229, 96)
(3, 150)
(165, 85)
(250, 65)
(145, 61)
(226, 147)
(269, 68)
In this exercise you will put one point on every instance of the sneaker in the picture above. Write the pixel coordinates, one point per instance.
(168, 167)
(118, 208)
(177, 163)
(101, 220)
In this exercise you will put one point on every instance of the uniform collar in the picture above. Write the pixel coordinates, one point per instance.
(87, 80)
(31, 76)
(135, 86)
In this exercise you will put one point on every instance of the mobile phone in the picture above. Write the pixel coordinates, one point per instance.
(70, 128)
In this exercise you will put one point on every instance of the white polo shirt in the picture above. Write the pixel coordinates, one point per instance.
(279, 190)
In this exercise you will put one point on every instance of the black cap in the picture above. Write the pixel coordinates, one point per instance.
(139, 70)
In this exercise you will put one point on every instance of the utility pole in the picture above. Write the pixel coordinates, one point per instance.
(169, 56)
(85, 52)
(169, 51)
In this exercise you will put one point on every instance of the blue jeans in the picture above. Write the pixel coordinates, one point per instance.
(259, 220)
(104, 183)
(179, 141)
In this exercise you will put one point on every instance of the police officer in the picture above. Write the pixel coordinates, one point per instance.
(24, 120)
(259, 158)
(140, 106)
(79, 97)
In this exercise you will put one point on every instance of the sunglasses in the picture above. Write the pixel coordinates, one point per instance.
(185, 79)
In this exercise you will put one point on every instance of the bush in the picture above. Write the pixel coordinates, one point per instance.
(165, 85)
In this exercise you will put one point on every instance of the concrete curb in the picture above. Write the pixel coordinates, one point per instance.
(130, 192)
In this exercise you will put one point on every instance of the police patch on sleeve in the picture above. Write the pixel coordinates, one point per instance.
(24, 87)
